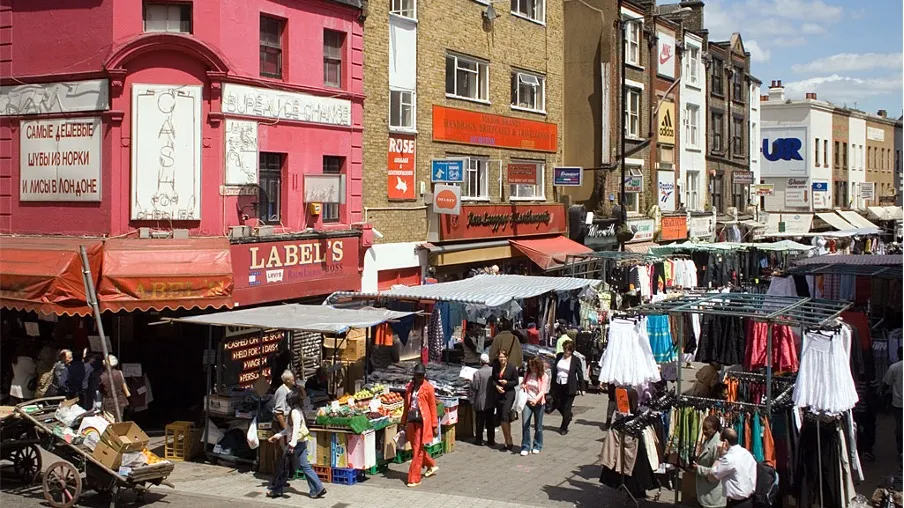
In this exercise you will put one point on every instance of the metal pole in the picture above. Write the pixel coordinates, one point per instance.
(678, 386)
(624, 108)
(768, 370)
(91, 295)
(207, 370)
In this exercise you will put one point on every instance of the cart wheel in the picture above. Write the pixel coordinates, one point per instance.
(62, 485)
(27, 463)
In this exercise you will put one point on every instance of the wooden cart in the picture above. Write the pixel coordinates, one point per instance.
(64, 479)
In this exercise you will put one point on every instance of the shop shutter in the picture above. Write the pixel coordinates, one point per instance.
(306, 348)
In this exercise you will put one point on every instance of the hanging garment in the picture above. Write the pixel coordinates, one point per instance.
(782, 286)
(784, 352)
(641, 479)
(435, 336)
(824, 382)
(628, 359)
(756, 436)
(722, 339)
(768, 444)
(812, 451)
(661, 339)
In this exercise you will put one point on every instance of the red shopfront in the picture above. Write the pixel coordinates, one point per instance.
(516, 238)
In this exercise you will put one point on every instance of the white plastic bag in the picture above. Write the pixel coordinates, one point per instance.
(400, 440)
(520, 400)
(214, 434)
(253, 441)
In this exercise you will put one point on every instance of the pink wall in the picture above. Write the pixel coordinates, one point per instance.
(95, 31)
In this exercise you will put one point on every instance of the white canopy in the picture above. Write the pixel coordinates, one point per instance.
(886, 212)
(856, 219)
(309, 318)
(835, 221)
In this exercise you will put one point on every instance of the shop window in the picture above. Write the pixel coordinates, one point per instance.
(737, 136)
(632, 113)
(165, 17)
(401, 110)
(270, 187)
(518, 191)
(693, 190)
(632, 43)
(534, 10)
(717, 129)
(332, 58)
(528, 91)
(467, 78)
(693, 61)
(718, 72)
(691, 125)
(271, 46)
(404, 8)
(332, 165)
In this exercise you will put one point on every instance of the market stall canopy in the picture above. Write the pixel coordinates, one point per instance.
(856, 219)
(308, 318)
(44, 274)
(550, 253)
(640, 248)
(780, 246)
(796, 224)
(165, 274)
(855, 259)
(886, 212)
(835, 221)
(490, 290)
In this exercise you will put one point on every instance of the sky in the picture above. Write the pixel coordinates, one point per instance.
(847, 51)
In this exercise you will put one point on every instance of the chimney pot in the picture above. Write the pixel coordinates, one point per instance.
(764, 98)
(779, 83)
(883, 113)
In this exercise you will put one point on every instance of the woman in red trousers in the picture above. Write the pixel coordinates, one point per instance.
(420, 423)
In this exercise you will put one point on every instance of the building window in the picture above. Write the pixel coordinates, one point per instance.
(270, 190)
(527, 191)
(752, 146)
(737, 136)
(692, 125)
(632, 43)
(844, 156)
(739, 197)
(836, 154)
(693, 61)
(528, 91)
(632, 199)
(332, 58)
(717, 132)
(632, 113)
(332, 165)
(271, 46)
(693, 190)
(717, 77)
(717, 193)
(531, 9)
(173, 18)
(825, 152)
(404, 8)
(401, 110)
(816, 153)
(475, 184)
(737, 84)
(467, 78)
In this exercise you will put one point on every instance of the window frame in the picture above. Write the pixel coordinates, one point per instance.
(836, 155)
(183, 8)
(540, 88)
(692, 197)
(717, 194)
(335, 57)
(412, 104)
(825, 153)
(718, 130)
(737, 84)
(816, 153)
(482, 71)
(737, 135)
(632, 199)
(631, 113)
(331, 213)
(693, 61)
(269, 46)
(633, 30)
(718, 76)
(476, 165)
(692, 125)
(541, 182)
(268, 173)
(396, 9)
(539, 7)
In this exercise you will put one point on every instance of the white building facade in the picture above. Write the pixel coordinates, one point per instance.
(856, 159)
(755, 149)
(692, 111)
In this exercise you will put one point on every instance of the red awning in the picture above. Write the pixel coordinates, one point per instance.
(165, 274)
(549, 253)
(44, 274)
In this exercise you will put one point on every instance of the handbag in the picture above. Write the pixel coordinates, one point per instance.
(415, 416)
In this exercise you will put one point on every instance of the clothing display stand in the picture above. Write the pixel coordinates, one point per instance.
(623, 486)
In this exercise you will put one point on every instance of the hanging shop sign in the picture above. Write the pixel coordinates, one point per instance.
(742, 177)
(271, 103)
(701, 227)
(50, 98)
(284, 270)
(666, 121)
(521, 174)
(484, 129)
(674, 228)
(601, 235)
(867, 190)
(400, 168)
(476, 222)
(243, 357)
(633, 184)
(666, 55)
(797, 193)
(60, 160)
(667, 191)
(568, 176)
(447, 199)
(763, 189)
(447, 170)
(643, 229)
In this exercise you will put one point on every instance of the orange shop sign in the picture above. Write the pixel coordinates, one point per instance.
(477, 222)
(524, 174)
(674, 228)
(400, 168)
(483, 129)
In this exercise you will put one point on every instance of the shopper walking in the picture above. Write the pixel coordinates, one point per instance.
(709, 492)
(295, 453)
(483, 400)
(117, 384)
(735, 469)
(420, 423)
(894, 378)
(505, 341)
(77, 377)
(569, 377)
(505, 379)
(58, 387)
(562, 332)
(45, 371)
(535, 384)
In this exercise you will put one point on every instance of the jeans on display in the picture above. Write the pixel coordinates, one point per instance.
(537, 413)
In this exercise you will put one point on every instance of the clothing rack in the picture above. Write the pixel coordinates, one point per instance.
(703, 403)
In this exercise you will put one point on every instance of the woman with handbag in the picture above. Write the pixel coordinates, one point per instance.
(505, 378)
(568, 378)
(295, 455)
(534, 385)
(420, 423)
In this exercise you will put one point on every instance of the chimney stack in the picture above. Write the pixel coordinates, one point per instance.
(764, 98)
(811, 95)
(776, 91)
(882, 113)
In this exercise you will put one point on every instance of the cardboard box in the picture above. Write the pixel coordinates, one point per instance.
(108, 456)
(222, 405)
(324, 449)
(350, 349)
(340, 450)
(125, 437)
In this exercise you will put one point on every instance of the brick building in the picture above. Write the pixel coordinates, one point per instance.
(461, 80)
(880, 156)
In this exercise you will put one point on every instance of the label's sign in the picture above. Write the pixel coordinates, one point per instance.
(875, 134)
(241, 152)
(667, 191)
(447, 170)
(742, 177)
(785, 152)
(868, 190)
(484, 129)
(60, 160)
(269, 103)
(633, 184)
(507, 221)
(49, 98)
(644, 229)
(522, 174)
(763, 189)
(401, 167)
(568, 176)
(666, 121)
(797, 193)
(447, 199)
(674, 228)
(665, 49)
(701, 227)
(243, 357)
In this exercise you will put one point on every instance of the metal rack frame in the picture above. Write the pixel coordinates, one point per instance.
(876, 271)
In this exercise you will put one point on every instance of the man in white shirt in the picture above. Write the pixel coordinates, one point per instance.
(894, 378)
(736, 469)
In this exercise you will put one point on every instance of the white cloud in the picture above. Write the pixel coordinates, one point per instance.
(845, 89)
(812, 29)
(851, 62)
(789, 42)
(767, 19)
(757, 53)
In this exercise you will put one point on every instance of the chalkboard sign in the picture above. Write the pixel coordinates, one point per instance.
(243, 358)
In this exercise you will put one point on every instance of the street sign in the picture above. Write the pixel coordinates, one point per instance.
(568, 176)
(447, 199)
(447, 170)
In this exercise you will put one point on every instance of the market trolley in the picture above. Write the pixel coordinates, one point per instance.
(19, 444)
(63, 480)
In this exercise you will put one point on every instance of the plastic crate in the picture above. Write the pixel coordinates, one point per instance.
(435, 450)
(325, 473)
(345, 476)
(449, 440)
(299, 475)
(375, 470)
(178, 441)
(402, 456)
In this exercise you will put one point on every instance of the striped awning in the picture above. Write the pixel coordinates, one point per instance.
(489, 290)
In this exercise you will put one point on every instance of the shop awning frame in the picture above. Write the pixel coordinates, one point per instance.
(873, 271)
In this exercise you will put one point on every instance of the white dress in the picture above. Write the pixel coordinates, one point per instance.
(628, 359)
(824, 382)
